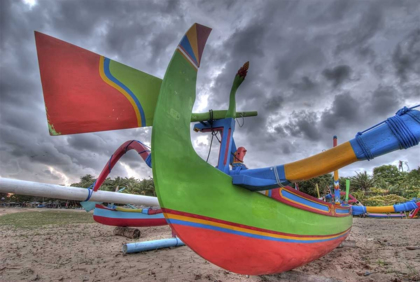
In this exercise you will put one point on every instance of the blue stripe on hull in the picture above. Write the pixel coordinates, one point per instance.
(290, 196)
(342, 211)
(221, 229)
(125, 215)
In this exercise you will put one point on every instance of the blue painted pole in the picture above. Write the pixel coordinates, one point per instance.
(152, 245)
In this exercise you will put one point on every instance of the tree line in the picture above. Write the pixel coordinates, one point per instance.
(387, 185)
(130, 185)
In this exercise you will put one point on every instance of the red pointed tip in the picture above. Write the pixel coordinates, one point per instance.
(203, 33)
(243, 70)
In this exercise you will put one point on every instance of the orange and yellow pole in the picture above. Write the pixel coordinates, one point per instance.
(336, 181)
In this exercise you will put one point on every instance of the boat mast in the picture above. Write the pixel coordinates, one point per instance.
(336, 180)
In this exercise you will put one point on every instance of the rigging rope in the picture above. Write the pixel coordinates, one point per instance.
(90, 191)
(212, 135)
(243, 120)
(276, 174)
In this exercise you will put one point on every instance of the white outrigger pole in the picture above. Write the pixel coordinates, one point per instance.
(30, 188)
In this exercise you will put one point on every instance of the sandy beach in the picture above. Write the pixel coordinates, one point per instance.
(376, 250)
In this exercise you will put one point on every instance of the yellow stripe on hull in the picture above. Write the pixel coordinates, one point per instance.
(240, 229)
(320, 164)
(128, 210)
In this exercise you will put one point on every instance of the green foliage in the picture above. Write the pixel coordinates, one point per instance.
(387, 200)
(19, 198)
(378, 191)
(362, 181)
(388, 174)
(131, 185)
(388, 186)
(85, 181)
(359, 195)
(323, 181)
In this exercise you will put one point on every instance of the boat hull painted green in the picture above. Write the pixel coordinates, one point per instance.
(242, 231)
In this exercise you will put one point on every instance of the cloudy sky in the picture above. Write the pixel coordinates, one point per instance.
(317, 69)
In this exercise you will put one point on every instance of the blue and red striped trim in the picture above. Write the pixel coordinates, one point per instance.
(198, 221)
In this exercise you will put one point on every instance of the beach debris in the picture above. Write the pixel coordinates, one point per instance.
(348, 244)
(151, 245)
(412, 248)
(35, 278)
(132, 233)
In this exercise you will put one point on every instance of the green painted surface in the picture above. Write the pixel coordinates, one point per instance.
(232, 101)
(145, 86)
(347, 190)
(51, 128)
(185, 182)
(217, 114)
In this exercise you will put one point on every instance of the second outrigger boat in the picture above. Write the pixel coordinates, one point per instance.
(217, 211)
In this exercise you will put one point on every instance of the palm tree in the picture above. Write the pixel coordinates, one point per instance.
(362, 181)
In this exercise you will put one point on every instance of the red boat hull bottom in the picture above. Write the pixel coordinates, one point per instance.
(126, 222)
(252, 256)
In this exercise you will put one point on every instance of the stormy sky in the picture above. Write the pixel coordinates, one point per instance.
(317, 69)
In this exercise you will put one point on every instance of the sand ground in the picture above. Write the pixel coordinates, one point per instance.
(376, 250)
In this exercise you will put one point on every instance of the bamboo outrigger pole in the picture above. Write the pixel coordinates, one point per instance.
(71, 193)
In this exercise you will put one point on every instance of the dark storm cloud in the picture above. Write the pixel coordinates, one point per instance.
(303, 124)
(305, 84)
(89, 142)
(302, 56)
(345, 109)
(337, 75)
(297, 51)
(23, 133)
(385, 100)
(367, 54)
(406, 57)
(248, 41)
(369, 22)
(274, 104)
(334, 12)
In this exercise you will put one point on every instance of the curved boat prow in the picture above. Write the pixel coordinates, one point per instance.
(241, 231)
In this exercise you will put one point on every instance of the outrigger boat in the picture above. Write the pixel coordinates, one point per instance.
(217, 211)
(119, 216)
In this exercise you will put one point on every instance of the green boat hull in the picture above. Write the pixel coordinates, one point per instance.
(205, 209)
